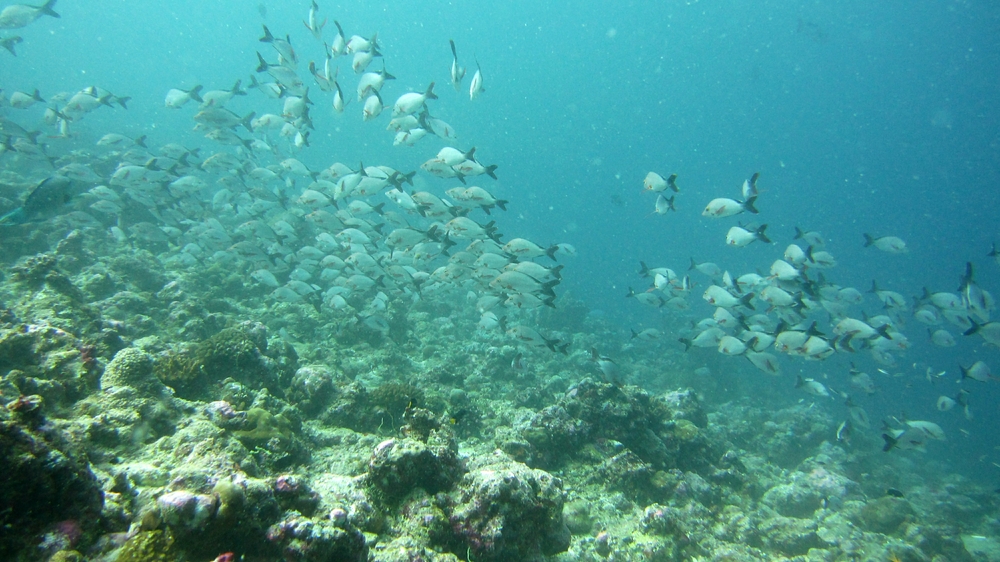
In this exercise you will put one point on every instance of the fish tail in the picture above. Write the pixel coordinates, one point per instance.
(868, 240)
(123, 101)
(141, 141)
(454, 53)
(974, 329)
(9, 43)
(634, 334)
(237, 91)
(890, 442)
(490, 171)
(267, 38)
(429, 94)
(246, 121)
(686, 342)
(761, 236)
(261, 67)
(47, 9)
(748, 205)
(672, 183)
(551, 252)
(194, 93)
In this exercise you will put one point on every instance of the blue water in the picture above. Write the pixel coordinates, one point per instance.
(860, 117)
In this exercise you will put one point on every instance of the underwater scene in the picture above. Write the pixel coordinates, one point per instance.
(322, 281)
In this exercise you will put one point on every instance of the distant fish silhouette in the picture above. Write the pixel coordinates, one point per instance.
(49, 195)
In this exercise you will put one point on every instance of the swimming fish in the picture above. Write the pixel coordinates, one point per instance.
(723, 207)
(608, 368)
(457, 72)
(654, 182)
(412, 102)
(476, 87)
(313, 24)
(176, 98)
(890, 244)
(19, 15)
(739, 237)
(48, 195)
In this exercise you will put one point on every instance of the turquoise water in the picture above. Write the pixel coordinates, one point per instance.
(860, 118)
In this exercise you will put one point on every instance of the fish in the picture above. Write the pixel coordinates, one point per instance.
(723, 207)
(313, 24)
(457, 72)
(812, 386)
(373, 107)
(749, 188)
(372, 81)
(989, 331)
(764, 361)
(412, 102)
(49, 195)
(664, 205)
(720, 297)
(649, 334)
(945, 403)
(810, 237)
(844, 431)
(739, 237)
(529, 336)
(17, 16)
(978, 371)
(219, 98)
(476, 87)
(177, 98)
(609, 369)
(908, 439)
(861, 380)
(655, 183)
(21, 100)
(282, 46)
(973, 296)
(889, 244)
(941, 338)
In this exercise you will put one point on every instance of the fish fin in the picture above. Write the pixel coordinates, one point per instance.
(551, 252)
(261, 66)
(267, 38)
(47, 9)
(672, 183)
(9, 43)
(760, 234)
(454, 53)
(429, 94)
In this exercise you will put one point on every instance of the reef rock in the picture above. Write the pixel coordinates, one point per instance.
(507, 511)
(44, 483)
